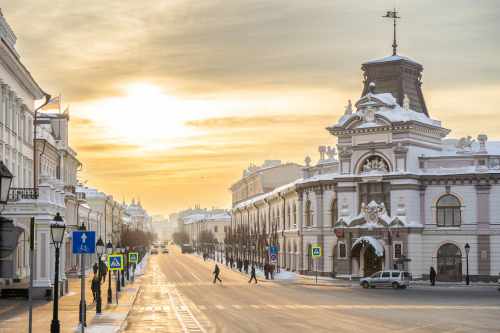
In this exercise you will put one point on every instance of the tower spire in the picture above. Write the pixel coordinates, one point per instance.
(394, 16)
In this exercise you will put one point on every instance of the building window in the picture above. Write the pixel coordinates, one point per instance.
(378, 192)
(294, 216)
(398, 250)
(216, 228)
(225, 228)
(448, 211)
(342, 251)
(334, 211)
(309, 214)
(449, 260)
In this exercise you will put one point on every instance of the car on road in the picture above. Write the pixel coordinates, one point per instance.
(390, 278)
(163, 246)
(165, 251)
(154, 251)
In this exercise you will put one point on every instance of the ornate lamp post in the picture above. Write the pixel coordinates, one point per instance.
(467, 249)
(109, 250)
(100, 249)
(57, 227)
(127, 247)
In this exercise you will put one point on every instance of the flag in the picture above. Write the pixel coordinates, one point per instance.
(342, 233)
(336, 232)
(52, 104)
(389, 233)
(66, 111)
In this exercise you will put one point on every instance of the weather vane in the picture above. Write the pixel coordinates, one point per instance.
(394, 16)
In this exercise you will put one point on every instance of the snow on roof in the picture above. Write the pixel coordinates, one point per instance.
(379, 249)
(400, 114)
(386, 98)
(224, 216)
(276, 190)
(391, 58)
(449, 149)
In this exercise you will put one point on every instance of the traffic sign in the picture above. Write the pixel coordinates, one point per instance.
(83, 242)
(115, 262)
(399, 262)
(316, 251)
(273, 259)
(273, 250)
(133, 257)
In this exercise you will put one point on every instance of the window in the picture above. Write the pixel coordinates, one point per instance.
(342, 251)
(216, 228)
(398, 250)
(376, 275)
(395, 274)
(225, 228)
(448, 211)
(334, 212)
(449, 260)
(294, 216)
(378, 192)
(386, 274)
(309, 214)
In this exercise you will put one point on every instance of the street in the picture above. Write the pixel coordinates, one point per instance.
(178, 295)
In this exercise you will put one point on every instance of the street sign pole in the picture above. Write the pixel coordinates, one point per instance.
(83, 305)
(316, 270)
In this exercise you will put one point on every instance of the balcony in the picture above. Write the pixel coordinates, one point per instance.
(81, 196)
(16, 194)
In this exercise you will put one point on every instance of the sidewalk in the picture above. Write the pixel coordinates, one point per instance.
(14, 314)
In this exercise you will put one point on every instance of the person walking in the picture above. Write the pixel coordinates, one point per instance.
(246, 266)
(216, 272)
(104, 270)
(253, 274)
(95, 286)
(432, 276)
(95, 268)
(271, 270)
(266, 271)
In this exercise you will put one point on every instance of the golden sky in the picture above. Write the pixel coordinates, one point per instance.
(171, 100)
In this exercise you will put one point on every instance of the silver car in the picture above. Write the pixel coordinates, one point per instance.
(392, 278)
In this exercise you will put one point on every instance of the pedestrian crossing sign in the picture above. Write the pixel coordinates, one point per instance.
(316, 251)
(133, 257)
(115, 262)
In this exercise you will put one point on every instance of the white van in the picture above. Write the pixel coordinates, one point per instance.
(393, 278)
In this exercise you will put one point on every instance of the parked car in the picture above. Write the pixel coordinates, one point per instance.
(391, 278)
(154, 251)
(165, 251)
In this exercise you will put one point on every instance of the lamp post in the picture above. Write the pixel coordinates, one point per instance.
(109, 251)
(57, 227)
(244, 250)
(100, 249)
(127, 247)
(253, 253)
(267, 258)
(467, 249)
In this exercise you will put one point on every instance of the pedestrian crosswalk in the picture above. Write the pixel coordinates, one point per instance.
(296, 307)
(169, 284)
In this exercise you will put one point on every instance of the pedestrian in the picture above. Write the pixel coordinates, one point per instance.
(227, 261)
(266, 271)
(231, 262)
(271, 270)
(95, 286)
(395, 266)
(95, 268)
(104, 270)
(216, 272)
(246, 266)
(204, 256)
(253, 275)
(432, 276)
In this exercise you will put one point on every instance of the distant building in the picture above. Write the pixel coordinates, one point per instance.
(263, 179)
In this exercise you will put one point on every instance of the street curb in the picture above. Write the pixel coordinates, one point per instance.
(124, 323)
(326, 285)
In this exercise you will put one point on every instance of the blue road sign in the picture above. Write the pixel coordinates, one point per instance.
(399, 262)
(316, 251)
(115, 262)
(83, 242)
(133, 257)
(273, 250)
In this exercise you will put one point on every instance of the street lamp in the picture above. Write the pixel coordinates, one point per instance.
(100, 249)
(467, 249)
(57, 227)
(253, 252)
(109, 250)
(127, 247)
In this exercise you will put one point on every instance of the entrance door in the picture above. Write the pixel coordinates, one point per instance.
(372, 264)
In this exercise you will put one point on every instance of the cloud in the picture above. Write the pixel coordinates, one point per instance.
(104, 147)
(229, 123)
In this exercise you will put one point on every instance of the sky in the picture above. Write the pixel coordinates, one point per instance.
(170, 100)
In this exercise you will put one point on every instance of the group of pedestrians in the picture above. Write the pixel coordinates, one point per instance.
(103, 270)
(252, 272)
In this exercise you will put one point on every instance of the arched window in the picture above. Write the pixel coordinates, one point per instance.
(288, 217)
(294, 216)
(334, 212)
(448, 211)
(309, 214)
(449, 260)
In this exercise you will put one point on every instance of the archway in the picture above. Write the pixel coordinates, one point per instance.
(372, 263)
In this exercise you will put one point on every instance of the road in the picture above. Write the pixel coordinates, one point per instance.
(178, 295)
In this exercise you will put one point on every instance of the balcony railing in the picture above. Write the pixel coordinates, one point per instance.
(16, 194)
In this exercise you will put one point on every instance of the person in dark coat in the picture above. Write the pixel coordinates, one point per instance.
(432, 276)
(253, 275)
(104, 270)
(95, 286)
(216, 272)
(95, 268)
(246, 266)
(231, 262)
(266, 271)
(395, 266)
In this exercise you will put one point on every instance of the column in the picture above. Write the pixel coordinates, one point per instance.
(422, 204)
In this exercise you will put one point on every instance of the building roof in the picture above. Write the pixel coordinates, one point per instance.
(391, 58)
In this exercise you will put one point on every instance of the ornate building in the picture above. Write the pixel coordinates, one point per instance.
(398, 195)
